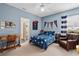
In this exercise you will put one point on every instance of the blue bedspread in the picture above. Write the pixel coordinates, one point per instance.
(43, 40)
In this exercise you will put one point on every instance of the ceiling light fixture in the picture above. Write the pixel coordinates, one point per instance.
(42, 7)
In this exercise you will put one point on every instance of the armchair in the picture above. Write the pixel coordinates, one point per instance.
(69, 42)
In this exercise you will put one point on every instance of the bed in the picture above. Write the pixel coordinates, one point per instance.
(43, 39)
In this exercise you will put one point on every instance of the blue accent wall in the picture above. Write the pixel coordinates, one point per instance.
(57, 17)
(8, 12)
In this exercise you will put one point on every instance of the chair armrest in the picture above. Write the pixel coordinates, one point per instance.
(71, 40)
(71, 44)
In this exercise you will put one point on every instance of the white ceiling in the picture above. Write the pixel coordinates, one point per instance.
(50, 8)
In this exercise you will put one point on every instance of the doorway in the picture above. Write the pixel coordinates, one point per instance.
(25, 29)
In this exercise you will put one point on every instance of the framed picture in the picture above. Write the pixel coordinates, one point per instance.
(35, 25)
(2, 24)
(7, 24)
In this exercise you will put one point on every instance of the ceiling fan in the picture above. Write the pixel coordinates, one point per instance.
(42, 7)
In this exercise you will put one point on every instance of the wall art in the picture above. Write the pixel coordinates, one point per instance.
(35, 25)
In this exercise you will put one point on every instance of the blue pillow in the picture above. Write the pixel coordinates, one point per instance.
(50, 34)
(41, 33)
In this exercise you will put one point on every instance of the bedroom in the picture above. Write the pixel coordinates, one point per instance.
(42, 17)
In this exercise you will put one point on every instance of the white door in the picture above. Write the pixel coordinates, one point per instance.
(25, 28)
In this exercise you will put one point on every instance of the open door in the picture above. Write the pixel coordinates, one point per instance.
(25, 29)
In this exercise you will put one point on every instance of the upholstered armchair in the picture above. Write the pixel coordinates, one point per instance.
(69, 42)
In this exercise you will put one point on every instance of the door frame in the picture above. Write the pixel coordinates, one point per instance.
(22, 29)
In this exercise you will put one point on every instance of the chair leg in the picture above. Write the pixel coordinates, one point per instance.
(7, 46)
(1, 49)
(14, 44)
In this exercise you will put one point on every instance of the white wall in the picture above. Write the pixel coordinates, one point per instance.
(8, 12)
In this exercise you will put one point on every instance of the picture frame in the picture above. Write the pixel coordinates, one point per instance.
(35, 25)
(7, 24)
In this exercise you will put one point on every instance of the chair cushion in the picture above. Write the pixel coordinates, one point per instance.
(63, 41)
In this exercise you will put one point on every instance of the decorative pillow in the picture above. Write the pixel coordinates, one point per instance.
(49, 32)
(41, 33)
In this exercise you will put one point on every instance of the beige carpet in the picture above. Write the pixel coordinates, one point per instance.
(30, 50)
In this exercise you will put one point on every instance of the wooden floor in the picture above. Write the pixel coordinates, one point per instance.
(27, 49)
